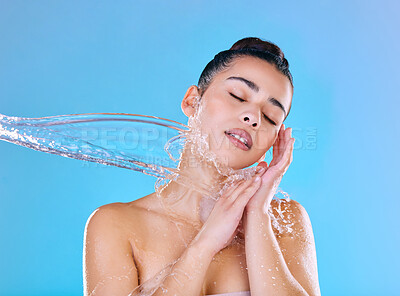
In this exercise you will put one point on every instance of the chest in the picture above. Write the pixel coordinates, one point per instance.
(160, 244)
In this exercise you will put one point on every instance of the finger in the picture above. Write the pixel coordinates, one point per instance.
(288, 155)
(231, 188)
(275, 151)
(282, 140)
(263, 164)
(243, 186)
(291, 148)
(288, 135)
(236, 187)
(246, 195)
(282, 144)
(282, 132)
(278, 148)
(279, 142)
(285, 139)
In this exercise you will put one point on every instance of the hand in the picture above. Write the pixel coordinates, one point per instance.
(282, 157)
(222, 224)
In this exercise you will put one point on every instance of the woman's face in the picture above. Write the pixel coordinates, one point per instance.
(250, 99)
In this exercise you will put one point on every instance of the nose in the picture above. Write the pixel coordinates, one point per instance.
(250, 119)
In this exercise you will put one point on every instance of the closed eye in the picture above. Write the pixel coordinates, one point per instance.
(236, 97)
(241, 100)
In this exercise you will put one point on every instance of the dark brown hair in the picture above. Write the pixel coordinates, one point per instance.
(249, 46)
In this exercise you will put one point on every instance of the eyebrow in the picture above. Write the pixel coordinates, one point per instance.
(254, 87)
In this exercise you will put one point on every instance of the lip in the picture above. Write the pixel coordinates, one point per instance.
(242, 133)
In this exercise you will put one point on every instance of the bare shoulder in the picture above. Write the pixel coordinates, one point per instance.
(110, 213)
(293, 230)
(288, 206)
(118, 215)
(291, 218)
(105, 223)
(108, 251)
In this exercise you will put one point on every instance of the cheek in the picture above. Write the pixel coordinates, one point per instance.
(215, 113)
(216, 107)
(265, 141)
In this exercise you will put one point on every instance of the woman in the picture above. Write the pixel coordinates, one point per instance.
(176, 241)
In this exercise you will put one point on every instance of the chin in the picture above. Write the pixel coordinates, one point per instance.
(233, 160)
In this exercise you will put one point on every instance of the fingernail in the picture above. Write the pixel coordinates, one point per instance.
(257, 178)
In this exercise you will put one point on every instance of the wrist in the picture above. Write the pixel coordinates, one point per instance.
(258, 211)
(202, 247)
(257, 208)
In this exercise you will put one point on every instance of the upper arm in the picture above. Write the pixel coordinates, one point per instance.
(298, 248)
(108, 263)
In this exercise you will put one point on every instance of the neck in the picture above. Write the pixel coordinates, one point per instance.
(193, 194)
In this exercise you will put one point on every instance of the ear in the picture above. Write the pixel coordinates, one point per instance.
(189, 100)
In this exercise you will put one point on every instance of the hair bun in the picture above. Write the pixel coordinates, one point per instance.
(258, 44)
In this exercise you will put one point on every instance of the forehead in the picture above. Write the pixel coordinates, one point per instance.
(270, 81)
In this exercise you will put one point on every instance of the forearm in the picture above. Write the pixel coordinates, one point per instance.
(267, 269)
(187, 274)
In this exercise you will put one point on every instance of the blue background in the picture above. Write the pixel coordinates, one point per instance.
(64, 57)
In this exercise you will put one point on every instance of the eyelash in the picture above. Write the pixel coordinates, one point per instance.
(241, 100)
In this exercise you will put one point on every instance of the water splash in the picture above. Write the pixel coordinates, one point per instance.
(148, 144)
(128, 141)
